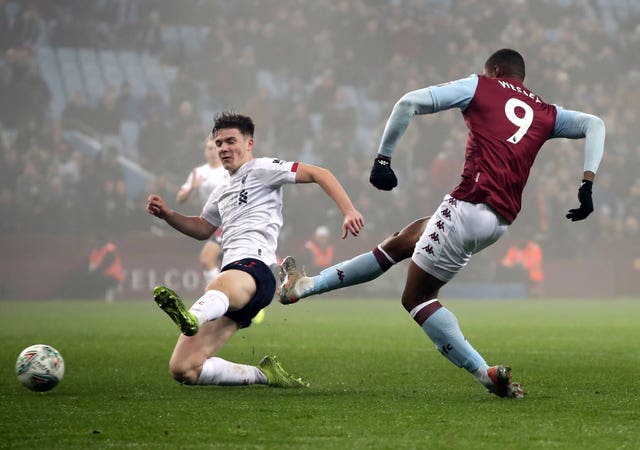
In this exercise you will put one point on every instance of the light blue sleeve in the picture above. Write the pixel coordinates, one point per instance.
(429, 100)
(577, 125)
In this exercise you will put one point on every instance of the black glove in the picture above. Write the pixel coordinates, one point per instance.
(586, 203)
(382, 175)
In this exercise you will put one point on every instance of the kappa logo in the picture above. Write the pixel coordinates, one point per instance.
(446, 213)
(440, 225)
(340, 274)
(434, 237)
(453, 202)
(244, 179)
(428, 249)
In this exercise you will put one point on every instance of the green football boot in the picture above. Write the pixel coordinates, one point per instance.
(277, 376)
(170, 303)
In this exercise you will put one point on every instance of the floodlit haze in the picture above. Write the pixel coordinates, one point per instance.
(103, 102)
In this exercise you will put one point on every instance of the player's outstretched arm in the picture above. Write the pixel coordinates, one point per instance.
(193, 226)
(353, 220)
(578, 125)
(429, 100)
(415, 102)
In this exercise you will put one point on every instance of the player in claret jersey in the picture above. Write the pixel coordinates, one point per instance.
(508, 124)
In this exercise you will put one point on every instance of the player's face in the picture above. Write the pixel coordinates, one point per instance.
(234, 149)
(211, 153)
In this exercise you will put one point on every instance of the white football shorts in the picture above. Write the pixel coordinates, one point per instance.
(457, 230)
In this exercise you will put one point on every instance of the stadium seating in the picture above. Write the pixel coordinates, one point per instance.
(171, 40)
(89, 72)
(51, 74)
(192, 39)
(90, 69)
(159, 76)
(129, 133)
(111, 69)
(72, 77)
(134, 73)
(135, 176)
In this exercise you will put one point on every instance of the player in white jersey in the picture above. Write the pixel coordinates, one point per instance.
(200, 183)
(249, 211)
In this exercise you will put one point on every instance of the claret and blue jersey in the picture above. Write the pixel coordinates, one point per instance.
(508, 124)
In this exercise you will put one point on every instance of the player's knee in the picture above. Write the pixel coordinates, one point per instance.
(399, 246)
(207, 262)
(183, 373)
(407, 244)
(408, 302)
(412, 298)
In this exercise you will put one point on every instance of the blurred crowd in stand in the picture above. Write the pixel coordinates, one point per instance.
(319, 77)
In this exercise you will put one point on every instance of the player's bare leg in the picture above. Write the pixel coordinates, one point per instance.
(209, 259)
(191, 352)
(194, 361)
(399, 246)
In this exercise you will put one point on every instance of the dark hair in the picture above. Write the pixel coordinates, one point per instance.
(227, 119)
(510, 62)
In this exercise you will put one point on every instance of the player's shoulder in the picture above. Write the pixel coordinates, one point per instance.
(471, 79)
(202, 170)
(219, 189)
(273, 172)
(270, 163)
(220, 172)
(455, 88)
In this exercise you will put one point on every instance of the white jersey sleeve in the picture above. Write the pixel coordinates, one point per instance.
(189, 182)
(249, 209)
(211, 177)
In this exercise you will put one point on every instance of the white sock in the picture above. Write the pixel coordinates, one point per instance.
(209, 275)
(304, 287)
(482, 375)
(225, 373)
(210, 306)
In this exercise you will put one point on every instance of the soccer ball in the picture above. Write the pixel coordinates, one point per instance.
(40, 367)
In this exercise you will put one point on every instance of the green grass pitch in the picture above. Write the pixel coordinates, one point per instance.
(376, 381)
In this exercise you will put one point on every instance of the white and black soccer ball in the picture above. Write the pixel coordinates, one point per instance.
(40, 367)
